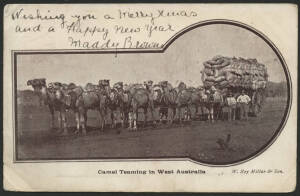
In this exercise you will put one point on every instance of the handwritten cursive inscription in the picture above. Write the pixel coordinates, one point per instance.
(101, 30)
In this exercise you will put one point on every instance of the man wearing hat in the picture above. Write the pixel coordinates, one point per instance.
(231, 103)
(243, 100)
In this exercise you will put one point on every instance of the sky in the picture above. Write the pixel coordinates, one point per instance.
(182, 61)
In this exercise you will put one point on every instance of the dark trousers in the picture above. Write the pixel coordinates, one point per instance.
(231, 112)
(244, 109)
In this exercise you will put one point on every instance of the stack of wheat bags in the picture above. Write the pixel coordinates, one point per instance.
(224, 72)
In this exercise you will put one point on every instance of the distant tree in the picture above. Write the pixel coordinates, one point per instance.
(276, 89)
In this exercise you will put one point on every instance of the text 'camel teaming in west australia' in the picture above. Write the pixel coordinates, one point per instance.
(236, 83)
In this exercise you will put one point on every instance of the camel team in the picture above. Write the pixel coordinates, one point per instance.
(129, 98)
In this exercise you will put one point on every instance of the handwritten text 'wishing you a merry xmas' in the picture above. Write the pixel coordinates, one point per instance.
(80, 28)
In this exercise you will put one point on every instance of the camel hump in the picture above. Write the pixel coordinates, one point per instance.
(77, 90)
(118, 85)
(91, 87)
(138, 86)
(71, 86)
(141, 91)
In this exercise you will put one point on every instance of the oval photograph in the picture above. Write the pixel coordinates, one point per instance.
(218, 94)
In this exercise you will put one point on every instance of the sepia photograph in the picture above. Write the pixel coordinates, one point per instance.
(217, 94)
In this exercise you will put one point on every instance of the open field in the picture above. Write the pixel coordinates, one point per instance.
(196, 140)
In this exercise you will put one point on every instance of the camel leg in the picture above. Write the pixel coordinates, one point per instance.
(153, 117)
(77, 122)
(218, 113)
(178, 114)
(197, 110)
(82, 122)
(203, 115)
(185, 116)
(189, 113)
(209, 112)
(122, 118)
(212, 114)
(59, 121)
(145, 116)
(215, 113)
(173, 115)
(166, 113)
(85, 118)
(112, 117)
(135, 120)
(102, 120)
(130, 120)
(52, 117)
(161, 115)
(126, 118)
(202, 112)
(64, 122)
(170, 118)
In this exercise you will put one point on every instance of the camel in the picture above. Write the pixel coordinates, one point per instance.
(139, 98)
(183, 100)
(55, 100)
(118, 100)
(92, 97)
(199, 99)
(168, 99)
(159, 102)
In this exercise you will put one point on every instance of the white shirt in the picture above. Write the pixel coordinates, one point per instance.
(243, 99)
(231, 101)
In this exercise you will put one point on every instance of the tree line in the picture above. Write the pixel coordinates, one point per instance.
(276, 89)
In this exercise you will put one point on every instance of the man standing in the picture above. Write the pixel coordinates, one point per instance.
(243, 101)
(231, 103)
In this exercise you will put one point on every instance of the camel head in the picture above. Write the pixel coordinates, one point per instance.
(113, 96)
(126, 88)
(55, 85)
(37, 84)
(118, 86)
(157, 92)
(182, 86)
(163, 83)
(104, 85)
(148, 84)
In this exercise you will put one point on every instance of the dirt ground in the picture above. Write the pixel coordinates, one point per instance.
(196, 140)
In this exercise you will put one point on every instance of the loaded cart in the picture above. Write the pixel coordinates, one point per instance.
(237, 74)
